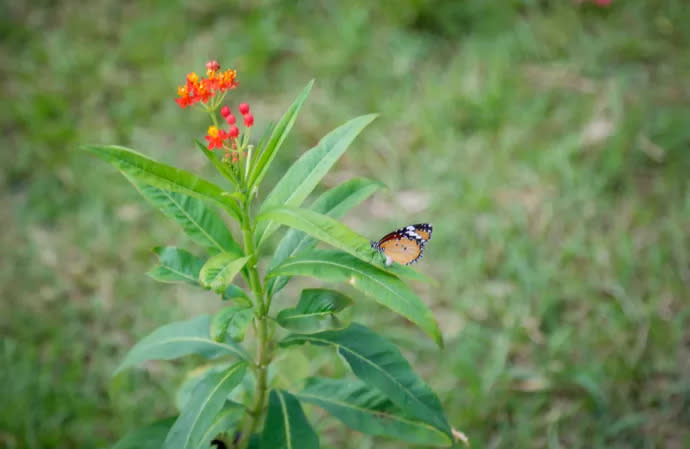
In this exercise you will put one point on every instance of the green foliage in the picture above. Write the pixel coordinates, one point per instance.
(379, 363)
(286, 426)
(191, 429)
(177, 340)
(219, 271)
(176, 265)
(314, 305)
(374, 360)
(376, 283)
(368, 411)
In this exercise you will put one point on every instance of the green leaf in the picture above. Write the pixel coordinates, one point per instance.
(368, 411)
(201, 410)
(179, 339)
(278, 136)
(149, 437)
(166, 177)
(227, 419)
(314, 305)
(219, 271)
(335, 203)
(305, 174)
(379, 363)
(176, 265)
(236, 294)
(324, 228)
(286, 426)
(383, 287)
(199, 222)
(233, 321)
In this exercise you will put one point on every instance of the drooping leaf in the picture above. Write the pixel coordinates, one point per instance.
(237, 295)
(197, 220)
(314, 305)
(233, 321)
(219, 271)
(278, 136)
(176, 265)
(148, 437)
(379, 363)
(335, 203)
(286, 426)
(202, 408)
(366, 410)
(166, 177)
(383, 287)
(304, 175)
(179, 339)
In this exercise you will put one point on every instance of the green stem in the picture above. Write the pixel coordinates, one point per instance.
(263, 356)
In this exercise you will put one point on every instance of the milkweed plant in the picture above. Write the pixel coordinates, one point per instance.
(236, 403)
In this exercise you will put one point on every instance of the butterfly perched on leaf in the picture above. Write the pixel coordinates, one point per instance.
(405, 245)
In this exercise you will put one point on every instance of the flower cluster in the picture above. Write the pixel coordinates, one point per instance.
(202, 90)
(235, 145)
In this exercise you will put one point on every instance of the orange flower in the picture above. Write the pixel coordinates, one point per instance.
(198, 89)
(216, 137)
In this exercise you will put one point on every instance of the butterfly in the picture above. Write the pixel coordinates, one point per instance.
(405, 245)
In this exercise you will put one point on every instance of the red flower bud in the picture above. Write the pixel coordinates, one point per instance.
(213, 66)
(248, 120)
(225, 111)
(230, 119)
(234, 131)
(244, 108)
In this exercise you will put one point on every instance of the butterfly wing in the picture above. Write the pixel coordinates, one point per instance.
(405, 245)
(405, 250)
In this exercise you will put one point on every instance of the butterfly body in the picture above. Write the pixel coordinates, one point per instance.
(405, 245)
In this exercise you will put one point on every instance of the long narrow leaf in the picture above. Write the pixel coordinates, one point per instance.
(180, 339)
(335, 203)
(286, 426)
(379, 363)
(336, 234)
(383, 287)
(227, 419)
(305, 174)
(198, 221)
(199, 413)
(163, 176)
(176, 265)
(278, 136)
(366, 410)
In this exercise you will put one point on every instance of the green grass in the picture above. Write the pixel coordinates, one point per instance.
(547, 143)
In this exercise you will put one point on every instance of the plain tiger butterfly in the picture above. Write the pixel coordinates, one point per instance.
(405, 245)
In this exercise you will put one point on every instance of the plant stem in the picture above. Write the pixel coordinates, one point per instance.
(263, 356)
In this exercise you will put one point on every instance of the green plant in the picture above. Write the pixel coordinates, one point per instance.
(228, 403)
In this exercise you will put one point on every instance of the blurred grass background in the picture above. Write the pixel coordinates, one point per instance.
(548, 142)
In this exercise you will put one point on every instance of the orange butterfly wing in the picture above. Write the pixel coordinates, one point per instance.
(405, 245)
(404, 250)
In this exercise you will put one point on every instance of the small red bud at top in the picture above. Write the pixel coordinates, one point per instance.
(212, 66)
(234, 131)
(244, 108)
(230, 119)
(248, 120)
(225, 111)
